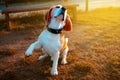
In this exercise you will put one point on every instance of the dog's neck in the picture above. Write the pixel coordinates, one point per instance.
(56, 24)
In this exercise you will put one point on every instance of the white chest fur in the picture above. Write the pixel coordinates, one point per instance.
(50, 42)
(54, 24)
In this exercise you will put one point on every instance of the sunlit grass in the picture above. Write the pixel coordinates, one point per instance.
(102, 16)
(99, 41)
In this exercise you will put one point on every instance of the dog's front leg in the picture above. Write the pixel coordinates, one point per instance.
(33, 46)
(55, 63)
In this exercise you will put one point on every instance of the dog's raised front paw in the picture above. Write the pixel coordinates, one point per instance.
(28, 53)
(53, 73)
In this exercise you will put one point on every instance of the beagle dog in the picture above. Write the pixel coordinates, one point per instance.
(52, 40)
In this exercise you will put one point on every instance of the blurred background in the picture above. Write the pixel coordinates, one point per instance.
(93, 4)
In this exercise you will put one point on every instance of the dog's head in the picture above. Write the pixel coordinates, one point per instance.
(59, 12)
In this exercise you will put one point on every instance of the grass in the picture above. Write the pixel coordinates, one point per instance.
(83, 68)
(114, 67)
(20, 21)
(100, 32)
(2, 24)
(94, 49)
(8, 75)
(8, 51)
(34, 19)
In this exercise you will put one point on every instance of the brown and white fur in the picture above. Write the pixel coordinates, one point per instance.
(53, 44)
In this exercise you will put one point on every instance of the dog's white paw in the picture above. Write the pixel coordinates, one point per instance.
(63, 62)
(28, 53)
(54, 72)
(41, 58)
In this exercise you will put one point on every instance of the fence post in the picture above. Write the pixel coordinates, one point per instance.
(65, 0)
(6, 3)
(86, 9)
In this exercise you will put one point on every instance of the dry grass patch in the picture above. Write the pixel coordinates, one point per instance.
(8, 51)
(32, 20)
(83, 68)
(9, 75)
(2, 24)
(24, 20)
(113, 68)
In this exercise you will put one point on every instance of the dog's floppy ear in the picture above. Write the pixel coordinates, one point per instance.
(68, 24)
(48, 16)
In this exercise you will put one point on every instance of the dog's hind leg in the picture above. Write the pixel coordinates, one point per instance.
(64, 54)
(44, 56)
(33, 46)
(55, 64)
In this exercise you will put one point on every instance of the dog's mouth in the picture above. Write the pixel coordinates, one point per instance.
(60, 11)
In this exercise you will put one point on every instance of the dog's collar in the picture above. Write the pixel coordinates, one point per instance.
(54, 31)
